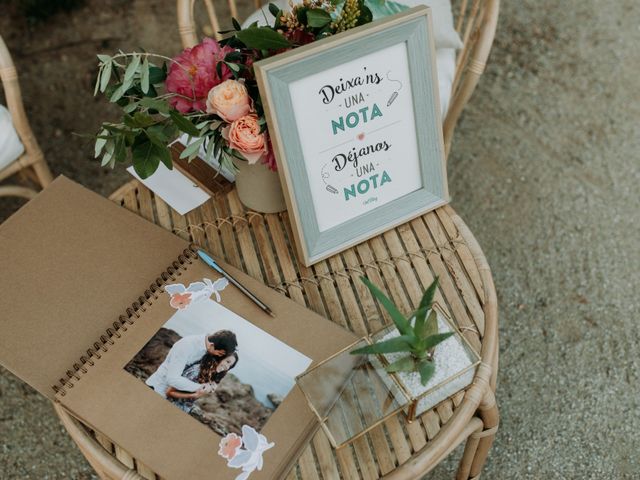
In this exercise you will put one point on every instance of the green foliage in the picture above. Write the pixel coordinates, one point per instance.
(262, 38)
(148, 124)
(318, 18)
(417, 339)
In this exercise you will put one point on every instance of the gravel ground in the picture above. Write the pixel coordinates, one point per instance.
(544, 169)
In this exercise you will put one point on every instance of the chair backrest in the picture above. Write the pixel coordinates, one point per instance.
(33, 156)
(475, 21)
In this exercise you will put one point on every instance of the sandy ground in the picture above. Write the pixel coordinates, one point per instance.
(544, 169)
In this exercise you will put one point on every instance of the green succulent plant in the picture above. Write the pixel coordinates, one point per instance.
(418, 335)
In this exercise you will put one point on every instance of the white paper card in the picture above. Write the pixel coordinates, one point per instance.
(174, 188)
(357, 130)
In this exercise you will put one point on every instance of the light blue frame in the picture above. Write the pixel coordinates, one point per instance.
(412, 27)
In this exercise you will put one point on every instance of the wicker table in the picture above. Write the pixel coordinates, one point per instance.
(404, 260)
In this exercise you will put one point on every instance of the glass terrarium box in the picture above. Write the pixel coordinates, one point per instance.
(351, 394)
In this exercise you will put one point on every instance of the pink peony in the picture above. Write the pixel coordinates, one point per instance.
(193, 73)
(244, 135)
(229, 446)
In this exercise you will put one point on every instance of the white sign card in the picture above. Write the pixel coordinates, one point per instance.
(355, 124)
(174, 188)
(355, 121)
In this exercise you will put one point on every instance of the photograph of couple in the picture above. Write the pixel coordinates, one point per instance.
(218, 367)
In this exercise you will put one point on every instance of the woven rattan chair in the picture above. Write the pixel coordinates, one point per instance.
(475, 21)
(31, 163)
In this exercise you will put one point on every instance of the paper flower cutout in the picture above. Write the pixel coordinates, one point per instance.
(229, 446)
(182, 297)
(180, 301)
(248, 457)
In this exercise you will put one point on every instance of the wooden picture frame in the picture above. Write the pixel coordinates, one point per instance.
(293, 105)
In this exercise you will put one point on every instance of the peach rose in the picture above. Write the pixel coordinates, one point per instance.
(229, 100)
(244, 135)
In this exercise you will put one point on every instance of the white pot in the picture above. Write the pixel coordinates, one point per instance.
(259, 188)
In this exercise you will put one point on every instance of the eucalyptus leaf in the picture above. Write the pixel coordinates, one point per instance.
(209, 150)
(104, 58)
(192, 149)
(144, 76)
(130, 107)
(108, 154)
(132, 68)
(106, 75)
(96, 89)
(262, 38)
(127, 83)
(118, 93)
(100, 143)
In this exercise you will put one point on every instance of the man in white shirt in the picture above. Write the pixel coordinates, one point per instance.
(185, 352)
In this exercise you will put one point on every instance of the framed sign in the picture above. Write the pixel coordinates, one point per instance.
(355, 124)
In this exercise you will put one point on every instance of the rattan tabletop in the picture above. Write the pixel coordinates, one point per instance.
(404, 261)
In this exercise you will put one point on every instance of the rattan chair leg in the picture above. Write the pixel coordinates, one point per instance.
(16, 191)
(468, 455)
(489, 413)
(43, 174)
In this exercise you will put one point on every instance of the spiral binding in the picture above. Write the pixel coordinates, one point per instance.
(128, 318)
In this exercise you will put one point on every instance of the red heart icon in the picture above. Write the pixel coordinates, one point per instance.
(361, 136)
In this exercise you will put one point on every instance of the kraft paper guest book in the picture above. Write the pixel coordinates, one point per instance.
(115, 318)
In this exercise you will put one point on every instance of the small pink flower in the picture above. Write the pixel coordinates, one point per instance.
(180, 301)
(193, 74)
(244, 136)
(229, 446)
(229, 100)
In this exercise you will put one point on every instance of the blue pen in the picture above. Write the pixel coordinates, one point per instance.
(212, 263)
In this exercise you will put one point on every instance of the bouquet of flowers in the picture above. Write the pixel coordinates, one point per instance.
(209, 91)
